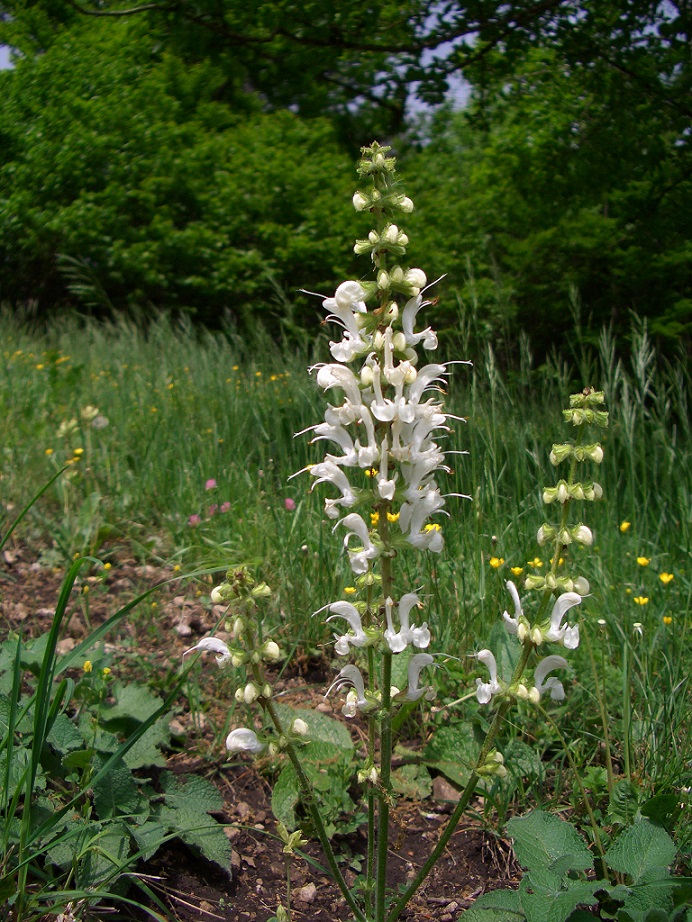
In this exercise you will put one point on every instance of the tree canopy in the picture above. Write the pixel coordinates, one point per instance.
(197, 156)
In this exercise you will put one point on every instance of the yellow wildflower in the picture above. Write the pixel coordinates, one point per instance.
(643, 561)
(48, 452)
(516, 571)
(87, 667)
(536, 563)
(393, 516)
(496, 562)
(640, 600)
(667, 619)
(374, 519)
(106, 671)
(625, 526)
(666, 578)
(349, 590)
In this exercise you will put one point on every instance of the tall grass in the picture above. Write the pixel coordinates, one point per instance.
(185, 407)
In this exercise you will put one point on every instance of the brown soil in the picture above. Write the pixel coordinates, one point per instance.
(475, 860)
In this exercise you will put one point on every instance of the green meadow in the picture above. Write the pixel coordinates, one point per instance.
(179, 449)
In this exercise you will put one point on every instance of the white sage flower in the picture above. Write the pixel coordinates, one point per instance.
(243, 740)
(542, 684)
(486, 690)
(399, 640)
(215, 646)
(559, 632)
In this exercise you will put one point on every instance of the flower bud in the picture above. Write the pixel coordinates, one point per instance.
(250, 693)
(397, 275)
(416, 278)
(405, 204)
(581, 586)
(239, 695)
(360, 202)
(537, 636)
(595, 453)
(565, 537)
(399, 341)
(545, 533)
(383, 281)
(217, 596)
(238, 627)
(403, 240)
(373, 238)
(534, 696)
(522, 632)
(583, 535)
(559, 453)
(237, 659)
(266, 690)
(577, 491)
(361, 247)
(391, 234)
(391, 315)
(562, 492)
(534, 582)
(366, 376)
(378, 161)
(271, 652)
(299, 727)
(522, 692)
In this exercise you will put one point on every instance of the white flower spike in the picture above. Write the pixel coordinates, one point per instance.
(559, 633)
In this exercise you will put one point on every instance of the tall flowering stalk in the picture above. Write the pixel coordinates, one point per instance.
(382, 427)
(383, 424)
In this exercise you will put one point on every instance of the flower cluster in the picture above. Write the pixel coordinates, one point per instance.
(383, 424)
(532, 634)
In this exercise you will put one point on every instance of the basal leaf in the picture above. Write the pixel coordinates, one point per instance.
(116, 793)
(285, 797)
(540, 839)
(497, 906)
(644, 851)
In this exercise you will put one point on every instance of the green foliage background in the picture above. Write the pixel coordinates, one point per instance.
(204, 163)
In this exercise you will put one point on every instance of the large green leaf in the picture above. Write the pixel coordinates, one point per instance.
(453, 750)
(186, 812)
(541, 840)
(643, 851)
(321, 728)
(116, 793)
(497, 906)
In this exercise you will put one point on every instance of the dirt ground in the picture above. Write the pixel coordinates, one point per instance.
(165, 625)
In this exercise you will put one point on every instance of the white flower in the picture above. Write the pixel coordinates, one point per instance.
(557, 692)
(486, 690)
(360, 558)
(418, 636)
(243, 740)
(350, 675)
(512, 624)
(583, 535)
(216, 646)
(408, 319)
(559, 633)
(416, 664)
(350, 613)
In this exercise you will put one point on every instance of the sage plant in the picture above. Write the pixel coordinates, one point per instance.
(382, 429)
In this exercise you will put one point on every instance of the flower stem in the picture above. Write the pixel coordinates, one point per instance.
(466, 794)
(385, 789)
(312, 808)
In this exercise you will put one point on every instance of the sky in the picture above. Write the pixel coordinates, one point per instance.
(4, 57)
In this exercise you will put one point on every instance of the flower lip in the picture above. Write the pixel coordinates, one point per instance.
(215, 645)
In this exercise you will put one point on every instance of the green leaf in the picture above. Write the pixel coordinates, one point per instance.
(643, 851)
(549, 897)
(497, 906)
(541, 840)
(134, 705)
(116, 793)
(64, 736)
(149, 837)
(186, 812)
(105, 853)
(624, 802)
(285, 797)
(453, 750)
(146, 751)
(663, 809)
(412, 781)
(320, 727)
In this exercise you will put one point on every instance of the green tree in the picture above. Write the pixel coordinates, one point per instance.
(565, 176)
(120, 156)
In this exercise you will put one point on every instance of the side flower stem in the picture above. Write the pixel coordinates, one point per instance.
(466, 795)
(313, 810)
(372, 734)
